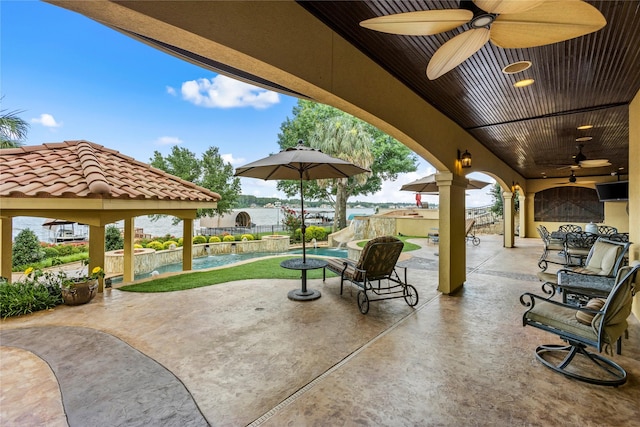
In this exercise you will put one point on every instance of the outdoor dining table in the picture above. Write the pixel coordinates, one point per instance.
(303, 294)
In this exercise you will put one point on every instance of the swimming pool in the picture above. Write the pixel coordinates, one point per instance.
(212, 261)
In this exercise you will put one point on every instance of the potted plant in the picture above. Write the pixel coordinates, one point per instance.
(81, 289)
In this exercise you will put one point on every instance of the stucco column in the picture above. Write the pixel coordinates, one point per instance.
(96, 250)
(452, 251)
(128, 274)
(6, 247)
(187, 244)
(522, 215)
(634, 188)
(509, 220)
(526, 212)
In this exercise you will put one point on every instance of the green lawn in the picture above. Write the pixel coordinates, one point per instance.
(268, 268)
(262, 269)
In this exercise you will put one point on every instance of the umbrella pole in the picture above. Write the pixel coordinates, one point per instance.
(302, 227)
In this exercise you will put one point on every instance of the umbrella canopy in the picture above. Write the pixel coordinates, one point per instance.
(299, 162)
(303, 163)
(428, 185)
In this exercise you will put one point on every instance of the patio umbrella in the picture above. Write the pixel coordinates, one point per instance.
(428, 185)
(304, 164)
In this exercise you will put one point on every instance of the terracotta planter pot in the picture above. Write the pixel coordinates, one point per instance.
(80, 292)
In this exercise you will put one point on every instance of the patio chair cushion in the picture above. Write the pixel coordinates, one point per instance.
(593, 304)
(603, 257)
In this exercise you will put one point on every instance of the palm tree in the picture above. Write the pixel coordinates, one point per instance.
(346, 138)
(13, 130)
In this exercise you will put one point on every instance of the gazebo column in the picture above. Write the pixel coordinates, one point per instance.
(129, 251)
(187, 244)
(96, 250)
(509, 220)
(6, 247)
(452, 251)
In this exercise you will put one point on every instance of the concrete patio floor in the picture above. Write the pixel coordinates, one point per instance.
(241, 353)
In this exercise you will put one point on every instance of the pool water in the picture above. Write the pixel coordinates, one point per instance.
(212, 261)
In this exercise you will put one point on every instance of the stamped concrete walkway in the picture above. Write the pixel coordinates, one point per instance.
(241, 353)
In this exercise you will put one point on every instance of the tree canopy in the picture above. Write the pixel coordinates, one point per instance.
(210, 171)
(341, 135)
(13, 130)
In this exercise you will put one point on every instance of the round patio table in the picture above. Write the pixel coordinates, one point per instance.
(303, 294)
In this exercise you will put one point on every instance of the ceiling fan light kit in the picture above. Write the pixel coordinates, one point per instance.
(507, 23)
(516, 67)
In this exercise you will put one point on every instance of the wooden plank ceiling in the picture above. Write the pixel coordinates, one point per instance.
(587, 80)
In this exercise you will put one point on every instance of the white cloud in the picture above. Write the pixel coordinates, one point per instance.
(224, 92)
(228, 158)
(171, 91)
(47, 120)
(168, 140)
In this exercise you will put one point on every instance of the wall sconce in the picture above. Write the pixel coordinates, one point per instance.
(465, 159)
(515, 186)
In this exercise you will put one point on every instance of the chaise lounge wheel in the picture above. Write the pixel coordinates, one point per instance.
(363, 302)
(476, 241)
(411, 295)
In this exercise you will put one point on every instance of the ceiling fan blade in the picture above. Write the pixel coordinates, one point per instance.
(421, 23)
(507, 6)
(595, 163)
(456, 51)
(552, 22)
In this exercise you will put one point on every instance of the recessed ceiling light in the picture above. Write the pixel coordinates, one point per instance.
(523, 83)
(516, 67)
(585, 127)
(584, 138)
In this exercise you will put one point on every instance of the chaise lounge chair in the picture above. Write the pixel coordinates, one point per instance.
(375, 273)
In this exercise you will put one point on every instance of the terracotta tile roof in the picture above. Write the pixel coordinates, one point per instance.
(82, 169)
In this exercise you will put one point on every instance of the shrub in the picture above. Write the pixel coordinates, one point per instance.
(246, 236)
(64, 250)
(214, 239)
(50, 252)
(168, 243)
(36, 291)
(312, 232)
(228, 238)
(180, 241)
(26, 248)
(199, 240)
(113, 239)
(137, 246)
(155, 245)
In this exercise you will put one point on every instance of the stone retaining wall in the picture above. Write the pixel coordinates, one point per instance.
(147, 260)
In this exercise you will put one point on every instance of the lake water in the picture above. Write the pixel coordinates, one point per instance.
(259, 216)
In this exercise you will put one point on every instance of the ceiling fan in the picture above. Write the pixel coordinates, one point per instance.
(581, 161)
(507, 23)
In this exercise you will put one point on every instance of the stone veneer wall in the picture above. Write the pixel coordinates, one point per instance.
(147, 260)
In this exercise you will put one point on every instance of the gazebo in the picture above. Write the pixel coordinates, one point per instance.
(87, 183)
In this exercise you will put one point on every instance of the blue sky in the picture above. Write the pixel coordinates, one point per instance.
(76, 79)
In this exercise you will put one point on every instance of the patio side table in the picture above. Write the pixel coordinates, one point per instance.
(303, 294)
